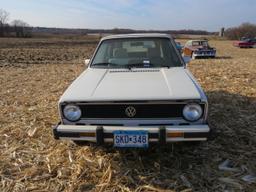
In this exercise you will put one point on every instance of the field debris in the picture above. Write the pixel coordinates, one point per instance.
(33, 76)
(227, 165)
(249, 178)
(32, 131)
(231, 182)
(185, 181)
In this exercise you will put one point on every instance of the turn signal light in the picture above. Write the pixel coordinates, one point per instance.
(175, 134)
(87, 134)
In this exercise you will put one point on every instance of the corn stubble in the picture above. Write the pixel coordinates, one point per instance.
(33, 76)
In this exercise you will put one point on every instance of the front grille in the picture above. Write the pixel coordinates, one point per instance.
(146, 110)
(205, 52)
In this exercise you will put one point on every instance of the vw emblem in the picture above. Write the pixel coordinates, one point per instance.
(130, 111)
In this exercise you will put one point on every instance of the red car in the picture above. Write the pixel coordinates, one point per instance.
(246, 43)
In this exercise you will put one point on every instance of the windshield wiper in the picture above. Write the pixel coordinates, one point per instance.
(146, 65)
(105, 64)
(129, 66)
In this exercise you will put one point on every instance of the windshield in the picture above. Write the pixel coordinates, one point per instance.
(200, 43)
(136, 52)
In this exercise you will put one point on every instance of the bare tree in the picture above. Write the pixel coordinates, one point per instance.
(21, 28)
(4, 17)
(19, 23)
(246, 30)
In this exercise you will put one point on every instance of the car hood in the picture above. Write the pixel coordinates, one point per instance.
(135, 84)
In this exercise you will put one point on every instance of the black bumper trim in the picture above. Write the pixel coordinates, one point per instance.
(196, 135)
(55, 132)
(99, 135)
(162, 135)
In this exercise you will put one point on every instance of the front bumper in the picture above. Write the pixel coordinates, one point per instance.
(104, 134)
(212, 54)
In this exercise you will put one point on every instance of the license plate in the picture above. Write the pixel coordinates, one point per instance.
(131, 139)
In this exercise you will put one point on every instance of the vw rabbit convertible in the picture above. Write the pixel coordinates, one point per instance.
(135, 91)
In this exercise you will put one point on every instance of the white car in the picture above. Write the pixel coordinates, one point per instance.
(136, 90)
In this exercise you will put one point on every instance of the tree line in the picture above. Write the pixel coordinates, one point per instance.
(16, 28)
(20, 28)
(114, 31)
(245, 30)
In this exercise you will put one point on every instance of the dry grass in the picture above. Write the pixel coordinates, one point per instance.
(44, 51)
(31, 160)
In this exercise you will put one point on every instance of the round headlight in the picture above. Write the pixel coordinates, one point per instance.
(72, 112)
(192, 112)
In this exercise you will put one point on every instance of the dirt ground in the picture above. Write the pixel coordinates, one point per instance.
(35, 72)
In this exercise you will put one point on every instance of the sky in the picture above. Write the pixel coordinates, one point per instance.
(208, 15)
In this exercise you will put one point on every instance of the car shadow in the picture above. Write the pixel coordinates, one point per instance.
(188, 165)
(217, 57)
(223, 57)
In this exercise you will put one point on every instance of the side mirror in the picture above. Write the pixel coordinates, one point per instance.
(86, 62)
(187, 59)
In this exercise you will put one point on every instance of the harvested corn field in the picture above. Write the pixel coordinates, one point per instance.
(35, 72)
(45, 51)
